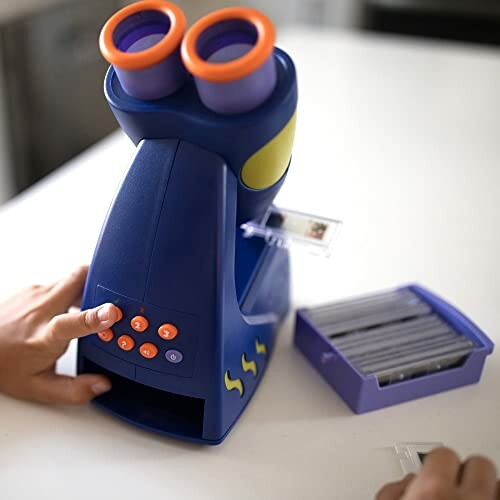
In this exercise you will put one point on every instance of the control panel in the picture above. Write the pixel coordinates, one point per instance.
(149, 336)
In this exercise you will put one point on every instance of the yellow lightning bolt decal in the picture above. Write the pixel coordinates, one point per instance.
(233, 384)
(260, 348)
(248, 366)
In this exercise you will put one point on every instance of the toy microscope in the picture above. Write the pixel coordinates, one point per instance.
(212, 113)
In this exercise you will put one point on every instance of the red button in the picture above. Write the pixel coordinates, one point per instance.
(139, 323)
(120, 313)
(148, 350)
(168, 331)
(106, 335)
(126, 342)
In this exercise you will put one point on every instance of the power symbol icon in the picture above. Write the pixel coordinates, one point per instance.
(173, 356)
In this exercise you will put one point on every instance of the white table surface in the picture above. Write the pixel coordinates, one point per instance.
(400, 141)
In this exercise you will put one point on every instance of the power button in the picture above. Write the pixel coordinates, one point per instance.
(173, 356)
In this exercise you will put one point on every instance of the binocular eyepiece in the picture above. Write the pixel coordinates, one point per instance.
(229, 53)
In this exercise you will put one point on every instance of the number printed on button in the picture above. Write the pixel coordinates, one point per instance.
(126, 342)
(139, 323)
(148, 350)
(106, 335)
(168, 331)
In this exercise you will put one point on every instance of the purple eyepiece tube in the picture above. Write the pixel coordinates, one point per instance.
(142, 42)
(230, 54)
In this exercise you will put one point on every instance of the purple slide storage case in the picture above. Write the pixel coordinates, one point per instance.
(363, 393)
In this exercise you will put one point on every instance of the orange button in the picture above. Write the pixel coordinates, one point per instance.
(148, 350)
(139, 323)
(106, 335)
(126, 342)
(168, 331)
(120, 314)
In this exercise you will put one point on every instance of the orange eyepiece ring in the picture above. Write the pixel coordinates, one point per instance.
(231, 70)
(152, 55)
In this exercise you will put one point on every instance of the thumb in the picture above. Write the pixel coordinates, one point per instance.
(52, 388)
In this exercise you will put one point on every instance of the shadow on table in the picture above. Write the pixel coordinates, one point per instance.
(292, 390)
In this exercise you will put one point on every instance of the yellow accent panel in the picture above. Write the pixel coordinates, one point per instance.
(260, 348)
(248, 366)
(267, 165)
(233, 384)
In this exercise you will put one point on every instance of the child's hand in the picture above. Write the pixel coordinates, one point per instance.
(35, 330)
(444, 477)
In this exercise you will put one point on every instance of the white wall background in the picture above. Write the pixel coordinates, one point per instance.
(343, 13)
(321, 13)
(5, 175)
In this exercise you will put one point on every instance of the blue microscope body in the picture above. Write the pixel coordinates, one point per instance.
(171, 251)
